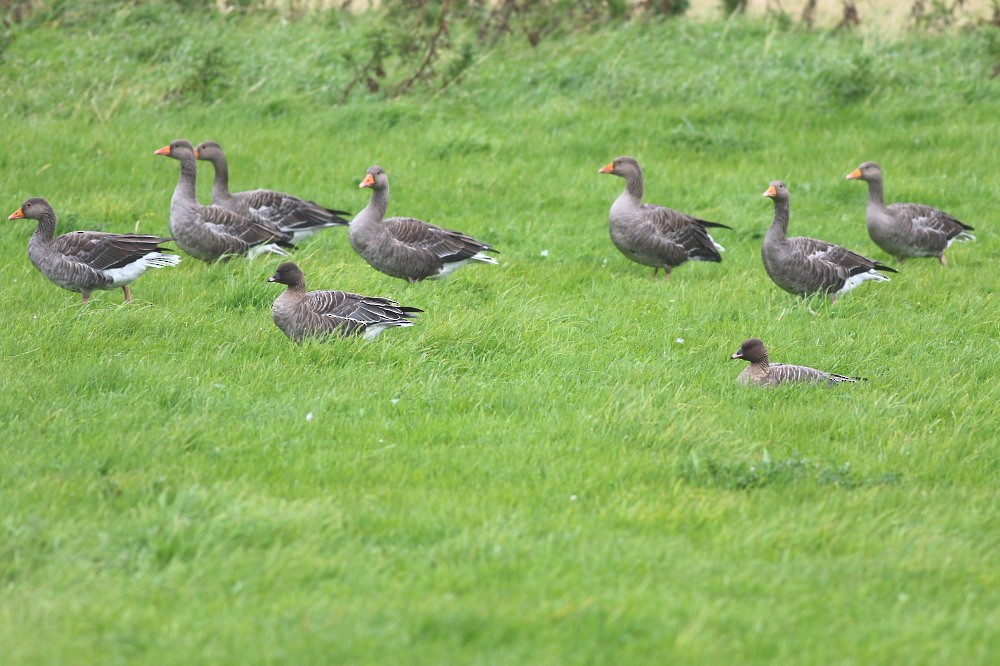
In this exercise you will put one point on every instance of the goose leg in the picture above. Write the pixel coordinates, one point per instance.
(944, 262)
(86, 296)
(128, 293)
(656, 269)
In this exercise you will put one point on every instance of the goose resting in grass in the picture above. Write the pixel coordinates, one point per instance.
(210, 233)
(653, 235)
(299, 217)
(806, 266)
(85, 261)
(304, 314)
(906, 229)
(405, 247)
(762, 373)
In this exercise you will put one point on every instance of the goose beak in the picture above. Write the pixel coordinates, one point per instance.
(770, 192)
(369, 181)
(163, 151)
(854, 175)
(608, 168)
(738, 354)
(16, 215)
(273, 278)
(196, 154)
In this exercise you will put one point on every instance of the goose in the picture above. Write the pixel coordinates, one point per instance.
(654, 235)
(84, 261)
(299, 217)
(906, 229)
(807, 266)
(405, 247)
(211, 233)
(761, 372)
(302, 314)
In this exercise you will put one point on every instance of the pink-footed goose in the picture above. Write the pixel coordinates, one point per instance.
(210, 233)
(654, 235)
(761, 372)
(299, 217)
(85, 261)
(907, 229)
(302, 314)
(807, 266)
(405, 247)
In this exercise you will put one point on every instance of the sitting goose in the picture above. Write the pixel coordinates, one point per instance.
(762, 373)
(905, 229)
(304, 314)
(653, 235)
(406, 247)
(806, 266)
(210, 233)
(299, 217)
(84, 261)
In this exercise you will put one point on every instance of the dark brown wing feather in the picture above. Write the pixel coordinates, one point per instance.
(291, 211)
(104, 250)
(449, 246)
(227, 223)
(344, 310)
(685, 230)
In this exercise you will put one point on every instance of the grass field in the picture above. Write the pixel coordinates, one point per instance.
(555, 464)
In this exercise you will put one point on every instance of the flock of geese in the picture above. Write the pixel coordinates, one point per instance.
(264, 221)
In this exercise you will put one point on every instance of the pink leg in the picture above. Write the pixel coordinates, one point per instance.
(944, 262)
(128, 293)
(86, 296)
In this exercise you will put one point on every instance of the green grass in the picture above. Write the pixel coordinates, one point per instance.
(538, 471)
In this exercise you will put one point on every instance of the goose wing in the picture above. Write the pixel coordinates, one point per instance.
(102, 251)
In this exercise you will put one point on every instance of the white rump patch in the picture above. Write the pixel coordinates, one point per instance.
(453, 266)
(855, 280)
(963, 237)
(373, 330)
(130, 273)
(267, 248)
(718, 247)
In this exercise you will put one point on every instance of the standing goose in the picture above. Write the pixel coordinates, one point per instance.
(653, 235)
(210, 233)
(905, 229)
(299, 217)
(304, 314)
(84, 261)
(406, 247)
(762, 373)
(806, 266)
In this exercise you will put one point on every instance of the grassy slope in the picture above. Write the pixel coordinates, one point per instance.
(538, 471)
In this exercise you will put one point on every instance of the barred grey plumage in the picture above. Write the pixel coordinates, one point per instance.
(761, 372)
(302, 314)
(807, 266)
(406, 247)
(210, 233)
(85, 261)
(299, 217)
(654, 235)
(907, 229)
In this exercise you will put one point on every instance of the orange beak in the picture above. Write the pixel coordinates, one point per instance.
(196, 153)
(854, 175)
(16, 215)
(369, 181)
(607, 168)
(770, 192)
(163, 151)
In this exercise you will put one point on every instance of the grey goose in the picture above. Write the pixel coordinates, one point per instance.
(211, 233)
(405, 247)
(302, 314)
(807, 266)
(654, 235)
(299, 217)
(907, 229)
(761, 372)
(85, 261)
